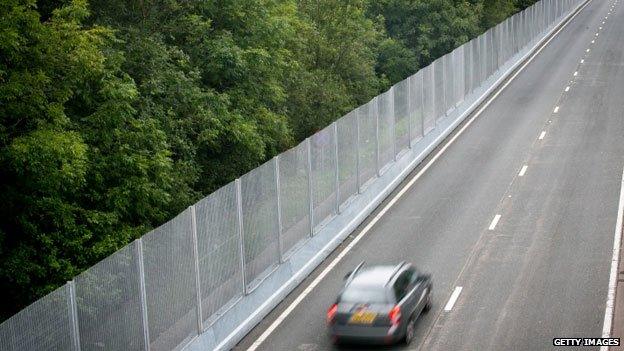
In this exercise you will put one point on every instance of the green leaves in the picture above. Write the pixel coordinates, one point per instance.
(49, 162)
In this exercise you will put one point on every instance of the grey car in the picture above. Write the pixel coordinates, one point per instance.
(379, 304)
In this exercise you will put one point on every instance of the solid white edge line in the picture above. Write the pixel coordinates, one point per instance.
(510, 79)
(523, 171)
(615, 260)
(542, 135)
(494, 222)
(453, 298)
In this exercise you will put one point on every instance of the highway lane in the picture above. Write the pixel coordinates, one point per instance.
(543, 272)
(559, 218)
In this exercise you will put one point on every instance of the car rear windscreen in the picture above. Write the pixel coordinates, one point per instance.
(364, 295)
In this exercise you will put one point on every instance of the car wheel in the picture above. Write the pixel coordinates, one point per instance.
(410, 329)
(428, 304)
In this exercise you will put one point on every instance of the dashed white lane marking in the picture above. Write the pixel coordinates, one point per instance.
(542, 135)
(587, 50)
(567, 89)
(582, 60)
(494, 222)
(593, 41)
(615, 260)
(453, 298)
(523, 171)
(556, 109)
(576, 73)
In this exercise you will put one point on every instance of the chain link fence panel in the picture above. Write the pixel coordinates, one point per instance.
(218, 250)
(416, 106)
(259, 214)
(367, 127)
(44, 325)
(294, 196)
(429, 99)
(449, 83)
(323, 174)
(108, 299)
(170, 283)
(386, 128)
(401, 115)
(347, 157)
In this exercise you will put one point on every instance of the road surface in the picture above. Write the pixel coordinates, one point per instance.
(540, 271)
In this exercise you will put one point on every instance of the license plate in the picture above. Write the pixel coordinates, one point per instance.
(363, 317)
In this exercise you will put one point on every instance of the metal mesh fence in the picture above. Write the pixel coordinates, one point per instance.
(468, 69)
(367, 126)
(439, 88)
(416, 108)
(458, 69)
(323, 152)
(170, 283)
(108, 299)
(401, 115)
(347, 156)
(294, 196)
(259, 212)
(449, 82)
(218, 249)
(429, 99)
(386, 127)
(203, 260)
(44, 325)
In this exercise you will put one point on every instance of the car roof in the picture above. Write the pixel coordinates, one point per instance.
(373, 276)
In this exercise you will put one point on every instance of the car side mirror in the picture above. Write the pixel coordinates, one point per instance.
(423, 277)
(348, 275)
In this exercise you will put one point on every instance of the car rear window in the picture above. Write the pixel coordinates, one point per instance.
(359, 294)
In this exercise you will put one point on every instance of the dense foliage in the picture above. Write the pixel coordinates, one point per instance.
(116, 115)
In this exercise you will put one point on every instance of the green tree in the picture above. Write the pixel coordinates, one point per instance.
(337, 63)
(430, 28)
(81, 174)
(495, 11)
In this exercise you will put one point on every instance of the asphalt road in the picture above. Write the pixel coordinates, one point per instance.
(542, 272)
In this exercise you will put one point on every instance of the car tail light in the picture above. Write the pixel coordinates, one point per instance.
(395, 315)
(331, 313)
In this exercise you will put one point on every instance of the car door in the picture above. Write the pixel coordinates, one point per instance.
(419, 287)
(404, 292)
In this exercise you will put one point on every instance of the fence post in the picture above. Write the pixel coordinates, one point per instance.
(200, 321)
(394, 125)
(337, 168)
(73, 315)
(376, 112)
(310, 193)
(138, 246)
(409, 112)
(423, 112)
(357, 150)
(241, 235)
(278, 209)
